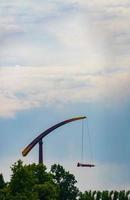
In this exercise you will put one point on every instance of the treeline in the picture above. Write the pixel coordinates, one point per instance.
(33, 182)
(105, 195)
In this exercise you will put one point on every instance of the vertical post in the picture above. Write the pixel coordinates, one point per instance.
(40, 152)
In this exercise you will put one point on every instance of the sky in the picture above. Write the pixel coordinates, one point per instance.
(61, 59)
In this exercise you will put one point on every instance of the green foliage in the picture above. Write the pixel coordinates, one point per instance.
(98, 195)
(104, 195)
(115, 195)
(2, 183)
(22, 179)
(47, 191)
(86, 196)
(66, 183)
(33, 182)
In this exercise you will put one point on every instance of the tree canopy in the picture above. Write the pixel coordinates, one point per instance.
(33, 182)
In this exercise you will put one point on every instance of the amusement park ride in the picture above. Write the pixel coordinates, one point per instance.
(39, 138)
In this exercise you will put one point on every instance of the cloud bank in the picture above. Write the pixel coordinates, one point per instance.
(23, 88)
(65, 33)
(78, 52)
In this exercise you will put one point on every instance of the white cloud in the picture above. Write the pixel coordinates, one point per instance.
(23, 88)
(83, 52)
(93, 32)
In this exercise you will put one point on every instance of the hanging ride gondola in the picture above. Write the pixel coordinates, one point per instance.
(85, 165)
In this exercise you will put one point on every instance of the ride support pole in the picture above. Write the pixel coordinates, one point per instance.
(40, 152)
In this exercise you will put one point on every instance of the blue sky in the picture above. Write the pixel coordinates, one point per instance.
(60, 59)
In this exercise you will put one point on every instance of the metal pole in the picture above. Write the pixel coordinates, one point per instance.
(40, 152)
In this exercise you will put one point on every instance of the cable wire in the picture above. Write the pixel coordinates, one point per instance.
(82, 142)
(90, 142)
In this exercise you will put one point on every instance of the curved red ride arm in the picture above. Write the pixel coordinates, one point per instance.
(46, 132)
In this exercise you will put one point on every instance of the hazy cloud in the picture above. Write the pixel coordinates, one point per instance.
(24, 88)
(64, 33)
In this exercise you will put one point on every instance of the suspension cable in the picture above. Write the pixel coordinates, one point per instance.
(90, 142)
(82, 142)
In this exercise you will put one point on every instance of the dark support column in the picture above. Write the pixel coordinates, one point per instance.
(40, 152)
